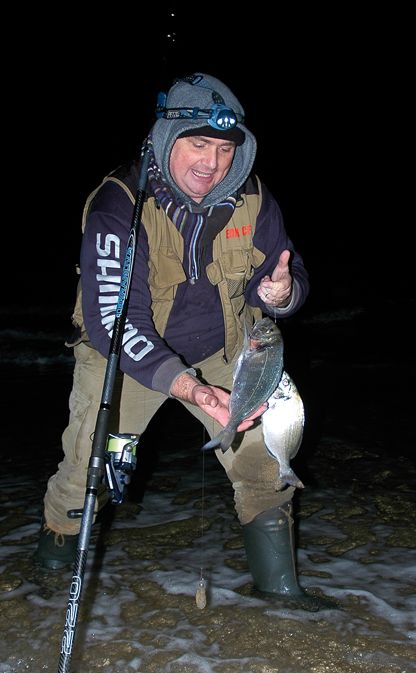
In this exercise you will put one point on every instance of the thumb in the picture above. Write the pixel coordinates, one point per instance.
(203, 395)
(282, 267)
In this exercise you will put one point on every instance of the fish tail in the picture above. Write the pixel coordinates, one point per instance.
(224, 439)
(289, 477)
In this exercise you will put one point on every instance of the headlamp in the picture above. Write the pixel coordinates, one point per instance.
(219, 116)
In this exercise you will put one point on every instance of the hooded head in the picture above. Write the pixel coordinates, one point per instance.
(203, 102)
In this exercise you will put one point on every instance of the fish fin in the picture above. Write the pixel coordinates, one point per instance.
(213, 443)
(246, 337)
(243, 354)
(289, 477)
(224, 439)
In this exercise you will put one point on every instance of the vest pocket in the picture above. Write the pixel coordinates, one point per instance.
(165, 273)
(239, 267)
(233, 267)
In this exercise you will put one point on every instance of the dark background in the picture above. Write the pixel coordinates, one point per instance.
(326, 92)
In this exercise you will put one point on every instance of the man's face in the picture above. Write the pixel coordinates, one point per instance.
(198, 163)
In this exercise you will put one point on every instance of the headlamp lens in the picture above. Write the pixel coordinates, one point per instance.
(222, 118)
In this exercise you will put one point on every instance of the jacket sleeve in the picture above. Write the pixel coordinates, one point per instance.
(144, 354)
(271, 238)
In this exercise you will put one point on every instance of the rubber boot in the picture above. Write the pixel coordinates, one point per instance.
(270, 550)
(55, 551)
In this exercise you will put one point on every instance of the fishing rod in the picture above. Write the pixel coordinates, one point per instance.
(96, 466)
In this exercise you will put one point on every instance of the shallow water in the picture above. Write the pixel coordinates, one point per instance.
(356, 529)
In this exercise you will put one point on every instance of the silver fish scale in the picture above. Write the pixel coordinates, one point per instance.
(282, 425)
(256, 375)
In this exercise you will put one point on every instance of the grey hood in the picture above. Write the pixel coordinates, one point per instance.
(166, 131)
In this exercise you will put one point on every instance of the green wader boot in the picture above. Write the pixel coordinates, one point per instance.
(270, 549)
(55, 551)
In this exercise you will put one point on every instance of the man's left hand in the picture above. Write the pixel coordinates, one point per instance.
(276, 290)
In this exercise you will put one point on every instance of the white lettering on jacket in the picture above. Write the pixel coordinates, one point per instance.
(109, 281)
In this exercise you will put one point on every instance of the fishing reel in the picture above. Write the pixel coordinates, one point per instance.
(120, 462)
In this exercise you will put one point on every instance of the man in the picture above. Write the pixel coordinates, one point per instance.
(212, 256)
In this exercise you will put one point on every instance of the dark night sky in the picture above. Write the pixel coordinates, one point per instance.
(327, 96)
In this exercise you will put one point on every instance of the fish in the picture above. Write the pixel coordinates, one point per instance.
(256, 375)
(282, 426)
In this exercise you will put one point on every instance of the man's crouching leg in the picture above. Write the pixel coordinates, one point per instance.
(58, 539)
(264, 507)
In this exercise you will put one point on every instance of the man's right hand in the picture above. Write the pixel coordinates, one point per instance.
(212, 400)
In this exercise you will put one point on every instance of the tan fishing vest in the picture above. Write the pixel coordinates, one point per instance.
(234, 261)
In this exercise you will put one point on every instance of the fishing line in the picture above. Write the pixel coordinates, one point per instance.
(201, 595)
